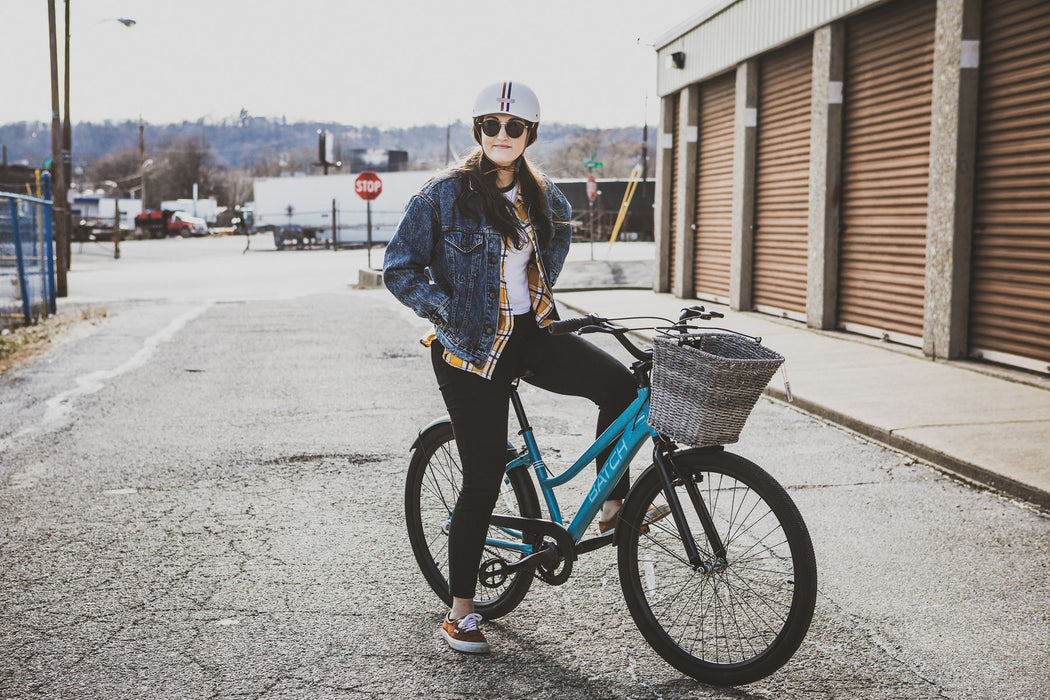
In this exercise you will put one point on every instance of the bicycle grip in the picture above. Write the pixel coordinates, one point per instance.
(571, 325)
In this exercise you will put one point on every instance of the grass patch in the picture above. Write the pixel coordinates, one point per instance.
(24, 342)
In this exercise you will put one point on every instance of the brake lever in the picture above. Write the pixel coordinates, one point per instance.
(602, 328)
(690, 312)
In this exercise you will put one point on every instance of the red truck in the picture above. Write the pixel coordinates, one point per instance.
(160, 223)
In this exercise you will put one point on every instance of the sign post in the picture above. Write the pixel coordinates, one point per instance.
(368, 186)
(592, 189)
(592, 192)
(335, 229)
(116, 226)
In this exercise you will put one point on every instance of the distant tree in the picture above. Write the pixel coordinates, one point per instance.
(567, 161)
(120, 166)
(183, 162)
(619, 150)
(231, 186)
(273, 164)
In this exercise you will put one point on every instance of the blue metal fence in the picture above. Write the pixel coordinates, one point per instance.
(27, 259)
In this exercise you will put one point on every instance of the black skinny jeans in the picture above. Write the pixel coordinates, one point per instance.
(479, 409)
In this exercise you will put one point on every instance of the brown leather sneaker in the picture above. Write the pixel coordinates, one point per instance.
(463, 634)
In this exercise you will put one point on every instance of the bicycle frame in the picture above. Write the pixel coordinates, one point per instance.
(626, 436)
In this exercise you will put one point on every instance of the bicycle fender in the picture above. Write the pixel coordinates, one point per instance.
(437, 422)
(442, 421)
(716, 449)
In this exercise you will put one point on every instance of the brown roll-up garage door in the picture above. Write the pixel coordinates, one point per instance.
(885, 169)
(1010, 281)
(676, 139)
(714, 188)
(782, 180)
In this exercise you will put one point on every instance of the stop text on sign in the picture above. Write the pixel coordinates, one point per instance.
(368, 185)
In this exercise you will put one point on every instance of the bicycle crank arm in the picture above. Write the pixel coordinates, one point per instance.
(501, 567)
(543, 528)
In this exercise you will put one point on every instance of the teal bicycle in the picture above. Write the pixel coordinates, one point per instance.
(723, 587)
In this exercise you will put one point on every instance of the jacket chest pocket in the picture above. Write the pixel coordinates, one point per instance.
(465, 260)
(464, 255)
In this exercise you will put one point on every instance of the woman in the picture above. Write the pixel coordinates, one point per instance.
(493, 234)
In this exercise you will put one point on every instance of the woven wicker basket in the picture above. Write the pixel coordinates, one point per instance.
(704, 390)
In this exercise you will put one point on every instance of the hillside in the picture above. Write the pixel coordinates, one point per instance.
(250, 142)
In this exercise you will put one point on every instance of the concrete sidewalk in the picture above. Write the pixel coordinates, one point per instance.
(984, 425)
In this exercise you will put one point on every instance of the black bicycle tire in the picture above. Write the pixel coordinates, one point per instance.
(803, 579)
(528, 506)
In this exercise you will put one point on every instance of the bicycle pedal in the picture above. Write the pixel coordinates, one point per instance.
(493, 573)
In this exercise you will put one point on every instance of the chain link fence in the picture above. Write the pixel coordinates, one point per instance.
(27, 259)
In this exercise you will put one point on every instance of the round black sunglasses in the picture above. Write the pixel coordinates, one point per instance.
(491, 126)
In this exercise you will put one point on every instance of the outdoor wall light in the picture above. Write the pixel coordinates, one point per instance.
(676, 60)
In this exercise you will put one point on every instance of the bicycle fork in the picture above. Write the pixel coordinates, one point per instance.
(667, 469)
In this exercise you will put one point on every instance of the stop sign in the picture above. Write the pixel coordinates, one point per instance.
(592, 187)
(368, 185)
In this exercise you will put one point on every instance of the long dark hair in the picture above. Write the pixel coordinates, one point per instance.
(479, 196)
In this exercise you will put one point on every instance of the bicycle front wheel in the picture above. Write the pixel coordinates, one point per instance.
(735, 618)
(435, 478)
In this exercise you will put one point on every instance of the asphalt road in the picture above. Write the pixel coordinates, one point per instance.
(202, 497)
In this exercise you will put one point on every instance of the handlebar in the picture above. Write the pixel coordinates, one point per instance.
(571, 325)
(698, 312)
(593, 323)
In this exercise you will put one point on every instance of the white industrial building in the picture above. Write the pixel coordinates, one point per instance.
(309, 201)
(90, 209)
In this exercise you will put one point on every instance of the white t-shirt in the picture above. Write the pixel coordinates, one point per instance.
(515, 270)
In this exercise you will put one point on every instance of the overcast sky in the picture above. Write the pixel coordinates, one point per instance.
(385, 63)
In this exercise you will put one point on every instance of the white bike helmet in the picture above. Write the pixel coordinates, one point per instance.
(515, 99)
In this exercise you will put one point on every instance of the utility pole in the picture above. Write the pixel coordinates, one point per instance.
(646, 204)
(59, 199)
(116, 226)
(142, 164)
(67, 144)
(448, 144)
(335, 228)
(645, 152)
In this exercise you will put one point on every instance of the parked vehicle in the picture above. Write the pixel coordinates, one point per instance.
(301, 237)
(160, 223)
(287, 235)
(186, 225)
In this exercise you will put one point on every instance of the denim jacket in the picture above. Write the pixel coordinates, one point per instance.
(446, 267)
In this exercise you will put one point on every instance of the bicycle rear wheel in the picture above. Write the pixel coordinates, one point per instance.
(435, 478)
(732, 621)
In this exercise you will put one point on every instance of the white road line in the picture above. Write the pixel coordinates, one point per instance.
(59, 406)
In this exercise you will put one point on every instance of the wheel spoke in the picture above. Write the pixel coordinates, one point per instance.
(725, 619)
(435, 481)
